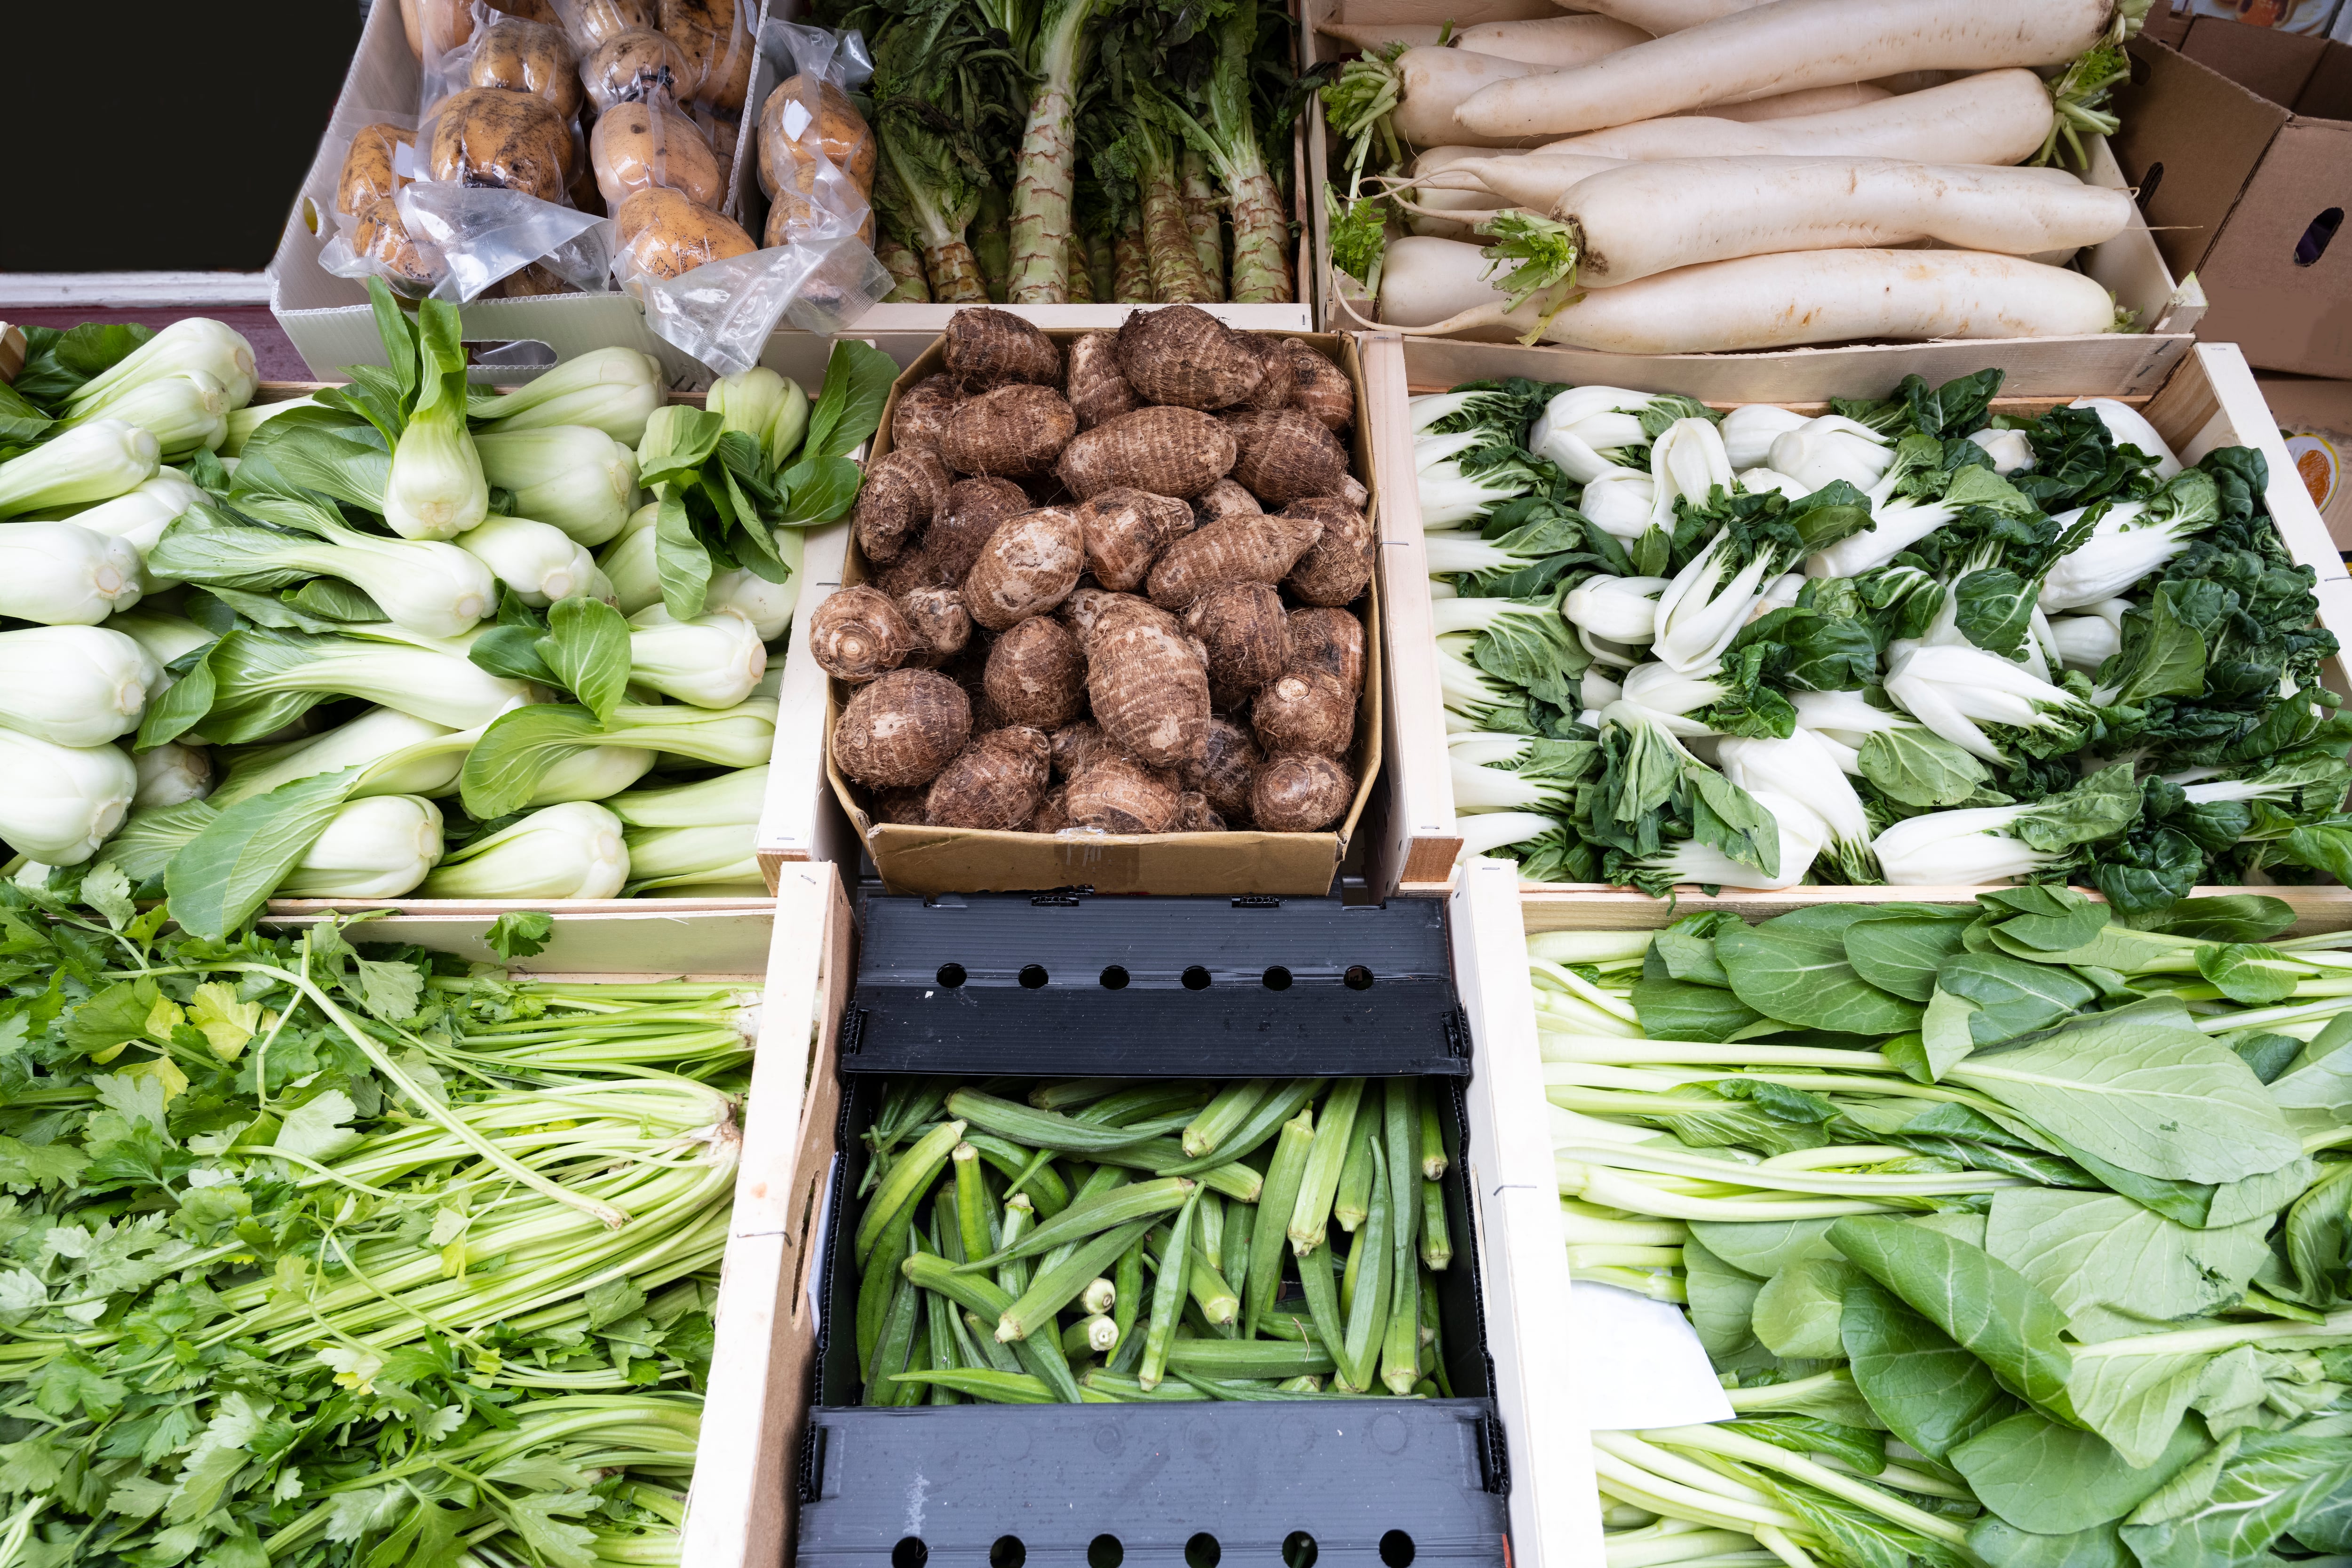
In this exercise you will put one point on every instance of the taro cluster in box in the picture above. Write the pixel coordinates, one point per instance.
(1109, 588)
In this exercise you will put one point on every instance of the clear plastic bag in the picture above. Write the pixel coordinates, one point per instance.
(371, 238)
(722, 313)
(656, 142)
(471, 237)
(816, 153)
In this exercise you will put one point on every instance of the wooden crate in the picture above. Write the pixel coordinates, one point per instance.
(800, 821)
(798, 950)
(2210, 400)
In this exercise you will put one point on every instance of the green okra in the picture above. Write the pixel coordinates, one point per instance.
(1218, 1120)
(1311, 1215)
(1281, 1103)
(1228, 1359)
(947, 1222)
(904, 1188)
(1090, 1214)
(1241, 1388)
(1012, 1273)
(1303, 1383)
(1127, 1281)
(1057, 1286)
(1429, 1311)
(986, 1351)
(919, 1358)
(1433, 1141)
(1168, 1295)
(1401, 1343)
(1099, 1296)
(1353, 1197)
(1097, 1335)
(1028, 1170)
(1368, 1310)
(1219, 1307)
(877, 1287)
(1163, 1157)
(1144, 1102)
(1262, 1280)
(1005, 1387)
(1037, 1128)
(972, 1202)
(1401, 1120)
(1063, 1093)
(1209, 1230)
(1120, 1386)
(1322, 1292)
(1241, 1225)
(1437, 1234)
(894, 1345)
(1041, 1355)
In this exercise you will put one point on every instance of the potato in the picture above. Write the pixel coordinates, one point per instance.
(1331, 641)
(436, 26)
(368, 169)
(794, 218)
(526, 56)
(1194, 815)
(922, 412)
(792, 134)
(1300, 794)
(1339, 566)
(1126, 531)
(638, 145)
(901, 729)
(379, 235)
(1097, 387)
(1247, 549)
(1165, 451)
(937, 617)
(1028, 565)
(1242, 627)
(1320, 388)
(1017, 430)
(707, 32)
(487, 136)
(1037, 675)
(593, 22)
(1181, 354)
(533, 281)
(987, 348)
(1281, 379)
(1224, 499)
(633, 66)
(857, 634)
(995, 783)
(904, 490)
(1305, 710)
(1120, 795)
(1222, 775)
(664, 233)
(1283, 454)
(1148, 685)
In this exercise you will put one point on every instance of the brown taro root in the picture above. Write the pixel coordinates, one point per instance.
(1283, 454)
(857, 632)
(1037, 675)
(904, 490)
(901, 729)
(905, 806)
(1126, 531)
(1015, 430)
(995, 782)
(1321, 388)
(922, 413)
(988, 347)
(1185, 356)
(1223, 772)
(1339, 565)
(1028, 565)
(1281, 377)
(368, 171)
(1352, 490)
(974, 510)
(1164, 451)
(1084, 607)
(1148, 684)
(1097, 387)
(1193, 814)
(1242, 627)
(485, 136)
(1248, 549)
(667, 234)
(1075, 747)
(1120, 795)
(1300, 794)
(1331, 641)
(938, 618)
(1052, 812)
(1306, 710)
(1224, 499)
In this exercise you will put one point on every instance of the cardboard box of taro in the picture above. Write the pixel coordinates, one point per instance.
(1109, 618)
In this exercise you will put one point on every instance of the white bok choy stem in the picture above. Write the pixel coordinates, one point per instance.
(1954, 688)
(425, 585)
(1623, 610)
(58, 803)
(574, 850)
(1827, 448)
(140, 516)
(1801, 833)
(73, 686)
(1703, 609)
(379, 846)
(1687, 462)
(1956, 848)
(1800, 768)
(614, 390)
(1621, 502)
(62, 574)
(1749, 430)
(538, 561)
(1485, 832)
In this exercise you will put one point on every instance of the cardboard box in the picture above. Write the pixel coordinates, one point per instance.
(2314, 420)
(2239, 142)
(2210, 401)
(2129, 266)
(963, 859)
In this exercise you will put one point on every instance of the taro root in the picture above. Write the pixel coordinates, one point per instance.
(906, 806)
(1223, 772)
(995, 782)
(1321, 388)
(1052, 812)
(368, 174)
(1097, 388)
(901, 729)
(1163, 451)
(1028, 565)
(633, 66)
(1224, 499)
(1120, 795)
(964, 523)
(1193, 814)
(1242, 629)
(988, 347)
(937, 618)
(1014, 430)
(1185, 356)
(1306, 710)
(1281, 377)
(665, 233)
(526, 56)
(857, 634)
(1075, 747)
(1251, 549)
(1084, 607)
(1335, 571)
(1331, 641)
(1352, 490)
(904, 490)
(1148, 684)
(1126, 531)
(1300, 794)
(485, 136)
(1283, 454)
(922, 413)
(1037, 675)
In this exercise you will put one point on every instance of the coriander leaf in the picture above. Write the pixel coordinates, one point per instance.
(519, 933)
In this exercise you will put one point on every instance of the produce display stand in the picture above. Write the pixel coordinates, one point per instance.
(2209, 401)
(2129, 267)
(796, 950)
(800, 820)
(1368, 993)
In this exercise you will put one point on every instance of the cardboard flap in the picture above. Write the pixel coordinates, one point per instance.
(2261, 60)
(2190, 140)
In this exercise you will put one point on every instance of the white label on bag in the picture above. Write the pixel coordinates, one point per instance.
(403, 161)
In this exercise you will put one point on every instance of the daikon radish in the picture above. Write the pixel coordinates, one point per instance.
(1794, 105)
(1559, 41)
(1431, 84)
(1789, 45)
(1450, 209)
(1755, 301)
(1380, 35)
(1999, 116)
(1623, 225)
(1532, 180)
(1659, 18)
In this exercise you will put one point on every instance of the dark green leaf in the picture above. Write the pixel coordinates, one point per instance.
(1995, 1540)
(1930, 1393)
(2055, 1480)
(514, 754)
(2275, 1479)
(2012, 998)
(1919, 767)
(820, 489)
(587, 647)
(519, 933)
(681, 560)
(857, 380)
(1987, 1307)
(1902, 956)
(1801, 977)
(513, 652)
(1679, 1010)
(228, 869)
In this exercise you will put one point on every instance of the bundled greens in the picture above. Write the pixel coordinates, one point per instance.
(2015, 1232)
(1927, 643)
(316, 1254)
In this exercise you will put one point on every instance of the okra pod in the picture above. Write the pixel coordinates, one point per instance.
(1019, 1213)
(1219, 1307)
(1227, 1359)
(1099, 1296)
(1067, 1092)
(1120, 1386)
(947, 1222)
(1161, 1157)
(892, 1348)
(1322, 1292)
(938, 1328)
(1097, 1335)
(1401, 1119)
(1240, 1389)
(1004, 1387)
(1428, 1307)
(919, 1358)
(1042, 1355)
(1038, 1129)
(1263, 1278)
(1168, 1295)
(1145, 1101)
(1240, 1223)
(1056, 1288)
(896, 1198)
(1209, 1230)
(1433, 1141)
(876, 1288)
(1355, 1192)
(986, 1353)
(1368, 1310)
(1303, 1383)
(972, 1202)
(1400, 1345)
(1280, 1104)
(1218, 1120)
(1436, 1236)
(1291, 1326)
(1127, 1281)
(1029, 1170)
(1309, 1216)
(1088, 1216)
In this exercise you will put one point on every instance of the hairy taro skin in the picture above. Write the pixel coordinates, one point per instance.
(937, 618)
(1302, 793)
(1280, 384)
(903, 493)
(922, 412)
(1245, 633)
(1075, 746)
(1120, 795)
(1282, 455)
(1053, 811)
(993, 783)
(1224, 499)
(988, 347)
(1319, 388)
(1027, 567)
(857, 634)
(1183, 356)
(1227, 763)
(1097, 388)
(1305, 710)
(1164, 451)
(1330, 640)
(1036, 674)
(1255, 548)
(1148, 684)
(1016, 430)
(1126, 531)
(1339, 567)
(901, 729)
(965, 523)
(1194, 815)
